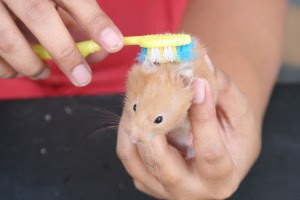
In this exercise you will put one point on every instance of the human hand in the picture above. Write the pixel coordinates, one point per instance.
(226, 140)
(53, 23)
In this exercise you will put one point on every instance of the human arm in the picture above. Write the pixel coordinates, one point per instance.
(244, 39)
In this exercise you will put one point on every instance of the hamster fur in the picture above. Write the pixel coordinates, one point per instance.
(162, 93)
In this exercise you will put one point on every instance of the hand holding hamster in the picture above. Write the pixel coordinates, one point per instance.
(205, 109)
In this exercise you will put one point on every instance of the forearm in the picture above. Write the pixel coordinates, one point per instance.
(244, 38)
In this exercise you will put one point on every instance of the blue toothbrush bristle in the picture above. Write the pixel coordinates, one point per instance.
(142, 56)
(185, 53)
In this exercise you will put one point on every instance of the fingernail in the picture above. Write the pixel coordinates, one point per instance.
(110, 38)
(43, 75)
(81, 75)
(199, 89)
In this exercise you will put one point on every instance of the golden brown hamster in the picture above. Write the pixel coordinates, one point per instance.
(158, 97)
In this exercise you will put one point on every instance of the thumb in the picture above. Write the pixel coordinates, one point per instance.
(210, 150)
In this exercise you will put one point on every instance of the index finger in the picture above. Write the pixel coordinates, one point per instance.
(96, 23)
(128, 154)
(44, 22)
(164, 162)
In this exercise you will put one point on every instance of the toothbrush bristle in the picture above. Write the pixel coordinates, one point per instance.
(168, 54)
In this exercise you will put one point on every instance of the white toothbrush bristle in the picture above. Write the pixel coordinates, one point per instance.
(168, 54)
(162, 55)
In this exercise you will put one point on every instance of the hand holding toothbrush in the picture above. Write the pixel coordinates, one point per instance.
(45, 21)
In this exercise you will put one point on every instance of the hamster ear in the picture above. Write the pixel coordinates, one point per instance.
(185, 74)
(148, 66)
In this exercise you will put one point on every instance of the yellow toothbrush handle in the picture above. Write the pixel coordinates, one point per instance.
(41, 52)
(132, 40)
(146, 41)
(85, 48)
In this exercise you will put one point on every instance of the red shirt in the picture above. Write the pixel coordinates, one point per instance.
(133, 17)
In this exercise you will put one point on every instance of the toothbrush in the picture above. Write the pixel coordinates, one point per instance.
(160, 48)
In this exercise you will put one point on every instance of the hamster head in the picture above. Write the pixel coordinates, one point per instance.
(157, 100)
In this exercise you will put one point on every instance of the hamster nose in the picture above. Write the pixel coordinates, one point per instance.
(134, 139)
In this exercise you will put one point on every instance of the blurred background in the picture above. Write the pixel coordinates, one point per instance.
(290, 71)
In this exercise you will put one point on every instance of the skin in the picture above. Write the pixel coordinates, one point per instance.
(244, 40)
(53, 23)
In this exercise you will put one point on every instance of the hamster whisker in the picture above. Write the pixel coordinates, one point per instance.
(104, 122)
(99, 110)
(111, 123)
(106, 118)
(110, 119)
(103, 129)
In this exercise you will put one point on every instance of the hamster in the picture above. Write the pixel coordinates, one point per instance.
(158, 97)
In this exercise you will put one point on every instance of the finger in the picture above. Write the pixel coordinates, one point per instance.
(99, 26)
(128, 154)
(141, 187)
(212, 157)
(45, 23)
(78, 34)
(169, 167)
(97, 57)
(16, 51)
(6, 71)
(164, 162)
(235, 111)
(76, 30)
(230, 97)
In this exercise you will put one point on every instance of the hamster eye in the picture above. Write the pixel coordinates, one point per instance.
(158, 120)
(134, 107)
